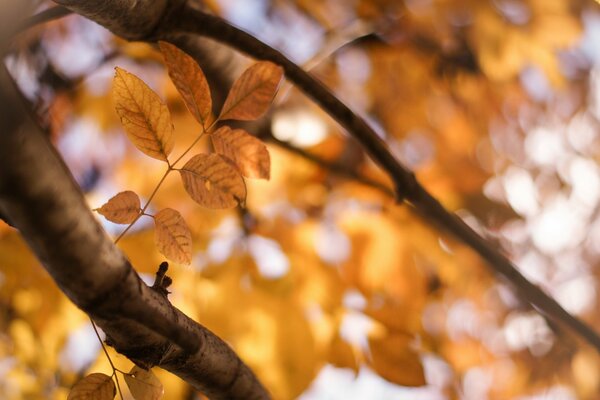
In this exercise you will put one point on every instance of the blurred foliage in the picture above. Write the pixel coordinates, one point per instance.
(494, 104)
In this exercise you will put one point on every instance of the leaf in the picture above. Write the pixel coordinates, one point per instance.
(247, 152)
(394, 360)
(189, 81)
(94, 387)
(144, 116)
(213, 182)
(123, 208)
(144, 385)
(253, 92)
(173, 237)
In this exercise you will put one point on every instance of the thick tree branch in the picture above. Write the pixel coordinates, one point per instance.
(43, 201)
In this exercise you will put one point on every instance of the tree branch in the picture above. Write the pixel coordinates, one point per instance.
(180, 20)
(43, 201)
(191, 20)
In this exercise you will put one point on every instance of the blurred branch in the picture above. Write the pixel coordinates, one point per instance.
(190, 20)
(49, 14)
(171, 20)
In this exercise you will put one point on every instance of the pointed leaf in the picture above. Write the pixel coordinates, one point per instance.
(173, 237)
(253, 92)
(144, 385)
(189, 81)
(144, 116)
(247, 152)
(393, 359)
(94, 387)
(123, 208)
(213, 182)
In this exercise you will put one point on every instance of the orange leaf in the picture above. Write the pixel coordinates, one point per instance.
(144, 385)
(252, 93)
(122, 208)
(172, 236)
(394, 360)
(93, 387)
(144, 116)
(189, 81)
(213, 182)
(247, 152)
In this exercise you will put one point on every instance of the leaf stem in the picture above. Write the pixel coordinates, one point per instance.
(143, 210)
(114, 372)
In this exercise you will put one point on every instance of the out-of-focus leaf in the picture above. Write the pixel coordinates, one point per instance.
(123, 208)
(247, 152)
(190, 81)
(213, 182)
(96, 386)
(144, 116)
(251, 95)
(144, 385)
(393, 359)
(173, 237)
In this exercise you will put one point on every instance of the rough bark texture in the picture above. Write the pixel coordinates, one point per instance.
(43, 201)
(40, 198)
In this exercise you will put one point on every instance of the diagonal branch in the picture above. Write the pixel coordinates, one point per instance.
(190, 20)
(177, 20)
(43, 201)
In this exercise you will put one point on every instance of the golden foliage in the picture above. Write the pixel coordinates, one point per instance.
(123, 208)
(146, 119)
(252, 93)
(247, 152)
(213, 182)
(173, 237)
(94, 387)
(143, 384)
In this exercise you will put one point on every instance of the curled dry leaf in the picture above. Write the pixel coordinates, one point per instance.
(189, 81)
(393, 359)
(144, 385)
(173, 237)
(144, 116)
(213, 182)
(247, 152)
(94, 387)
(253, 92)
(123, 208)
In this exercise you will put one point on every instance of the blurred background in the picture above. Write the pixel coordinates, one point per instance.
(323, 285)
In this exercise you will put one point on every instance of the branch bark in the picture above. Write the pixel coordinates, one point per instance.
(171, 20)
(43, 201)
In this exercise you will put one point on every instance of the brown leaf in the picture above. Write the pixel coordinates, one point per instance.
(213, 182)
(144, 116)
(394, 360)
(144, 385)
(173, 237)
(253, 92)
(247, 152)
(93, 387)
(189, 81)
(123, 208)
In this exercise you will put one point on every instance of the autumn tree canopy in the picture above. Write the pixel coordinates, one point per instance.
(299, 199)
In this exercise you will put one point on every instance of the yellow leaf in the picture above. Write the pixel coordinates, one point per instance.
(144, 385)
(247, 152)
(252, 93)
(94, 387)
(213, 182)
(189, 81)
(394, 360)
(173, 237)
(144, 116)
(122, 208)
